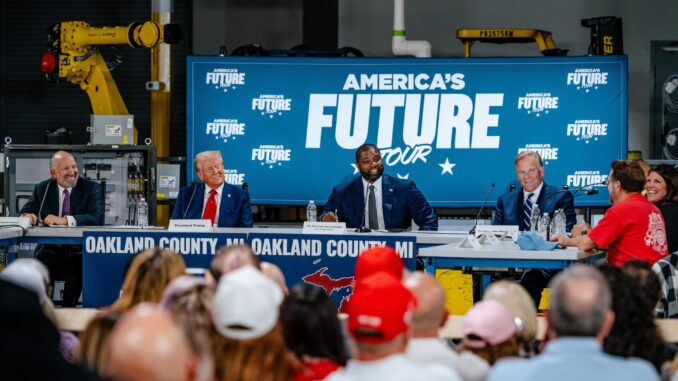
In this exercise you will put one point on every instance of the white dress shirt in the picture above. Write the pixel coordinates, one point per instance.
(536, 194)
(378, 196)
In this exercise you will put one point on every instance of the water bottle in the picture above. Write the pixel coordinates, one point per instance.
(544, 223)
(558, 223)
(311, 212)
(142, 213)
(534, 218)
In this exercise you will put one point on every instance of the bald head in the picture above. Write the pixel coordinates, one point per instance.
(580, 302)
(430, 313)
(147, 345)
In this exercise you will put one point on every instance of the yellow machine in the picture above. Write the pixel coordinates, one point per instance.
(542, 38)
(72, 55)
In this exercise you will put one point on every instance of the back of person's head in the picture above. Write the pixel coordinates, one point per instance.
(630, 175)
(230, 258)
(148, 275)
(247, 340)
(516, 299)
(310, 324)
(670, 176)
(376, 259)
(430, 313)
(93, 352)
(146, 344)
(32, 275)
(379, 316)
(579, 302)
(640, 272)
(189, 300)
(488, 330)
(634, 332)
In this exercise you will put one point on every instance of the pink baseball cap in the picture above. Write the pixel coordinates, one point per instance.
(488, 322)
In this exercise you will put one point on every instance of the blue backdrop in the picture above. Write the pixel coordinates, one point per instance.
(289, 126)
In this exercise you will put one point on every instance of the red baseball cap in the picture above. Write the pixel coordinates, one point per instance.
(378, 258)
(382, 306)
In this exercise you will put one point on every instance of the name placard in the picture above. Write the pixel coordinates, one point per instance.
(191, 226)
(324, 227)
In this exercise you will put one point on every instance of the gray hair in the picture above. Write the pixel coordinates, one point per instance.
(527, 153)
(204, 155)
(579, 313)
(57, 155)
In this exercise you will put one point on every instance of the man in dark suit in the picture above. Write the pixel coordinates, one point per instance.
(378, 201)
(214, 199)
(67, 200)
(514, 208)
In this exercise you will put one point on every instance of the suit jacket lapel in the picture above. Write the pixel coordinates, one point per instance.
(520, 200)
(386, 199)
(357, 197)
(198, 201)
(225, 200)
(76, 197)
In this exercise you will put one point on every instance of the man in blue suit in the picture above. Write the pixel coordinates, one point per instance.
(378, 201)
(213, 198)
(512, 209)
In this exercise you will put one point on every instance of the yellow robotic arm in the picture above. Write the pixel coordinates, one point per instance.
(72, 55)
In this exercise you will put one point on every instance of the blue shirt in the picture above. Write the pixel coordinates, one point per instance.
(573, 358)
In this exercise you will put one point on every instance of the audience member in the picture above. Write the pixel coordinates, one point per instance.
(94, 350)
(29, 342)
(634, 332)
(312, 332)
(379, 315)
(248, 343)
(233, 257)
(516, 299)
(376, 259)
(189, 300)
(146, 345)
(425, 346)
(666, 270)
(489, 331)
(32, 274)
(580, 317)
(633, 228)
(662, 190)
(148, 275)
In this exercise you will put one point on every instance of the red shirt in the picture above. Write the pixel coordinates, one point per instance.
(316, 369)
(631, 229)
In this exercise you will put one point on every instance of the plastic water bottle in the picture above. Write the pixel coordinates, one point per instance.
(558, 223)
(544, 223)
(142, 213)
(311, 212)
(534, 218)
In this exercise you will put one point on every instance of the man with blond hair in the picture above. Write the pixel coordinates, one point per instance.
(213, 199)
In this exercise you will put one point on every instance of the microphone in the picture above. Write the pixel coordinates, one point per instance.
(512, 187)
(195, 187)
(362, 228)
(487, 195)
(587, 190)
(43, 200)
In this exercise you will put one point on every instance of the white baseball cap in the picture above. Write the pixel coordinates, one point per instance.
(246, 304)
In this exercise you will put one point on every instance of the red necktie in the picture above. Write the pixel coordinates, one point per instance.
(211, 207)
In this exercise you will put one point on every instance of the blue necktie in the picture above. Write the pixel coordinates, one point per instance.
(527, 211)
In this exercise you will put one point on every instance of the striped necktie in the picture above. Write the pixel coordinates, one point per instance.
(527, 211)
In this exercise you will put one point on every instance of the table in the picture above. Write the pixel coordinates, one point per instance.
(501, 255)
(106, 250)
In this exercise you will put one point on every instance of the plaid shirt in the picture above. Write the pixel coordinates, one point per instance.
(668, 277)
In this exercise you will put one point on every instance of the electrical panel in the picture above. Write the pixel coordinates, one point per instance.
(127, 173)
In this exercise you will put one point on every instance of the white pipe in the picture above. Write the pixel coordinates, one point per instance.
(400, 45)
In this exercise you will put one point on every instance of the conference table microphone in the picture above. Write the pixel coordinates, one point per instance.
(362, 228)
(39, 221)
(487, 196)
